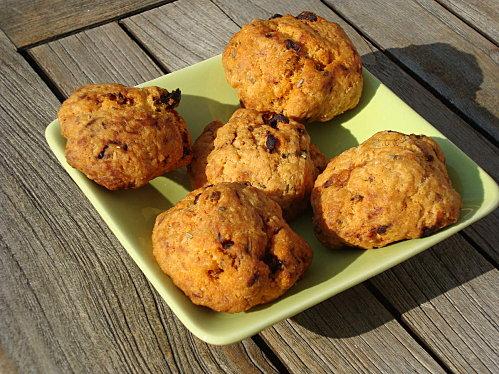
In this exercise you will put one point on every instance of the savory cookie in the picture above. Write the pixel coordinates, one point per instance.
(268, 150)
(227, 247)
(122, 137)
(391, 187)
(304, 67)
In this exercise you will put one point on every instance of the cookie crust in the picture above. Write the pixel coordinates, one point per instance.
(122, 137)
(304, 67)
(390, 188)
(268, 150)
(227, 247)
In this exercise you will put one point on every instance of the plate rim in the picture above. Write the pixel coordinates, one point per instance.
(233, 337)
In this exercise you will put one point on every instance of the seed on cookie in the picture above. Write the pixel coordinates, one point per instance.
(291, 44)
(251, 258)
(215, 196)
(169, 99)
(357, 198)
(102, 152)
(306, 85)
(122, 137)
(226, 244)
(271, 142)
(411, 196)
(273, 153)
(382, 229)
(272, 262)
(309, 16)
(272, 119)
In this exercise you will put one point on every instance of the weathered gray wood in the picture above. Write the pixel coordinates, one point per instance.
(444, 52)
(110, 56)
(349, 333)
(412, 350)
(449, 297)
(182, 33)
(71, 299)
(30, 21)
(485, 231)
(482, 15)
(25, 185)
(444, 254)
(433, 110)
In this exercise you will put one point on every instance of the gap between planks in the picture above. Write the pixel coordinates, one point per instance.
(144, 48)
(42, 74)
(257, 339)
(269, 353)
(398, 317)
(477, 248)
(464, 20)
(95, 24)
(420, 80)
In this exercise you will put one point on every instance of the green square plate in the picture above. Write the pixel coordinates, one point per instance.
(205, 96)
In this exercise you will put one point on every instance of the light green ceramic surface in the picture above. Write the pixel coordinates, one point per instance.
(206, 96)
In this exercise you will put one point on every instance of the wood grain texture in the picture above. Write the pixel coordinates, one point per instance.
(477, 270)
(482, 15)
(110, 56)
(486, 155)
(450, 298)
(110, 339)
(71, 299)
(444, 52)
(413, 355)
(182, 33)
(30, 21)
(349, 333)
(408, 89)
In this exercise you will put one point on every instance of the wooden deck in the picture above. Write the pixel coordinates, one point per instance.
(71, 299)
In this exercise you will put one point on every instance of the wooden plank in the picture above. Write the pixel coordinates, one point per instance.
(444, 254)
(411, 356)
(444, 52)
(31, 21)
(182, 33)
(71, 299)
(110, 56)
(481, 15)
(151, 29)
(450, 297)
(484, 232)
(433, 110)
(349, 333)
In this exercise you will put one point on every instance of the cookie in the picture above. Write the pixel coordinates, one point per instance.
(304, 67)
(391, 187)
(268, 150)
(122, 137)
(227, 247)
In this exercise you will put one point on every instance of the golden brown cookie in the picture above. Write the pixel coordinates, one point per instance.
(268, 150)
(304, 67)
(391, 187)
(122, 137)
(227, 247)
